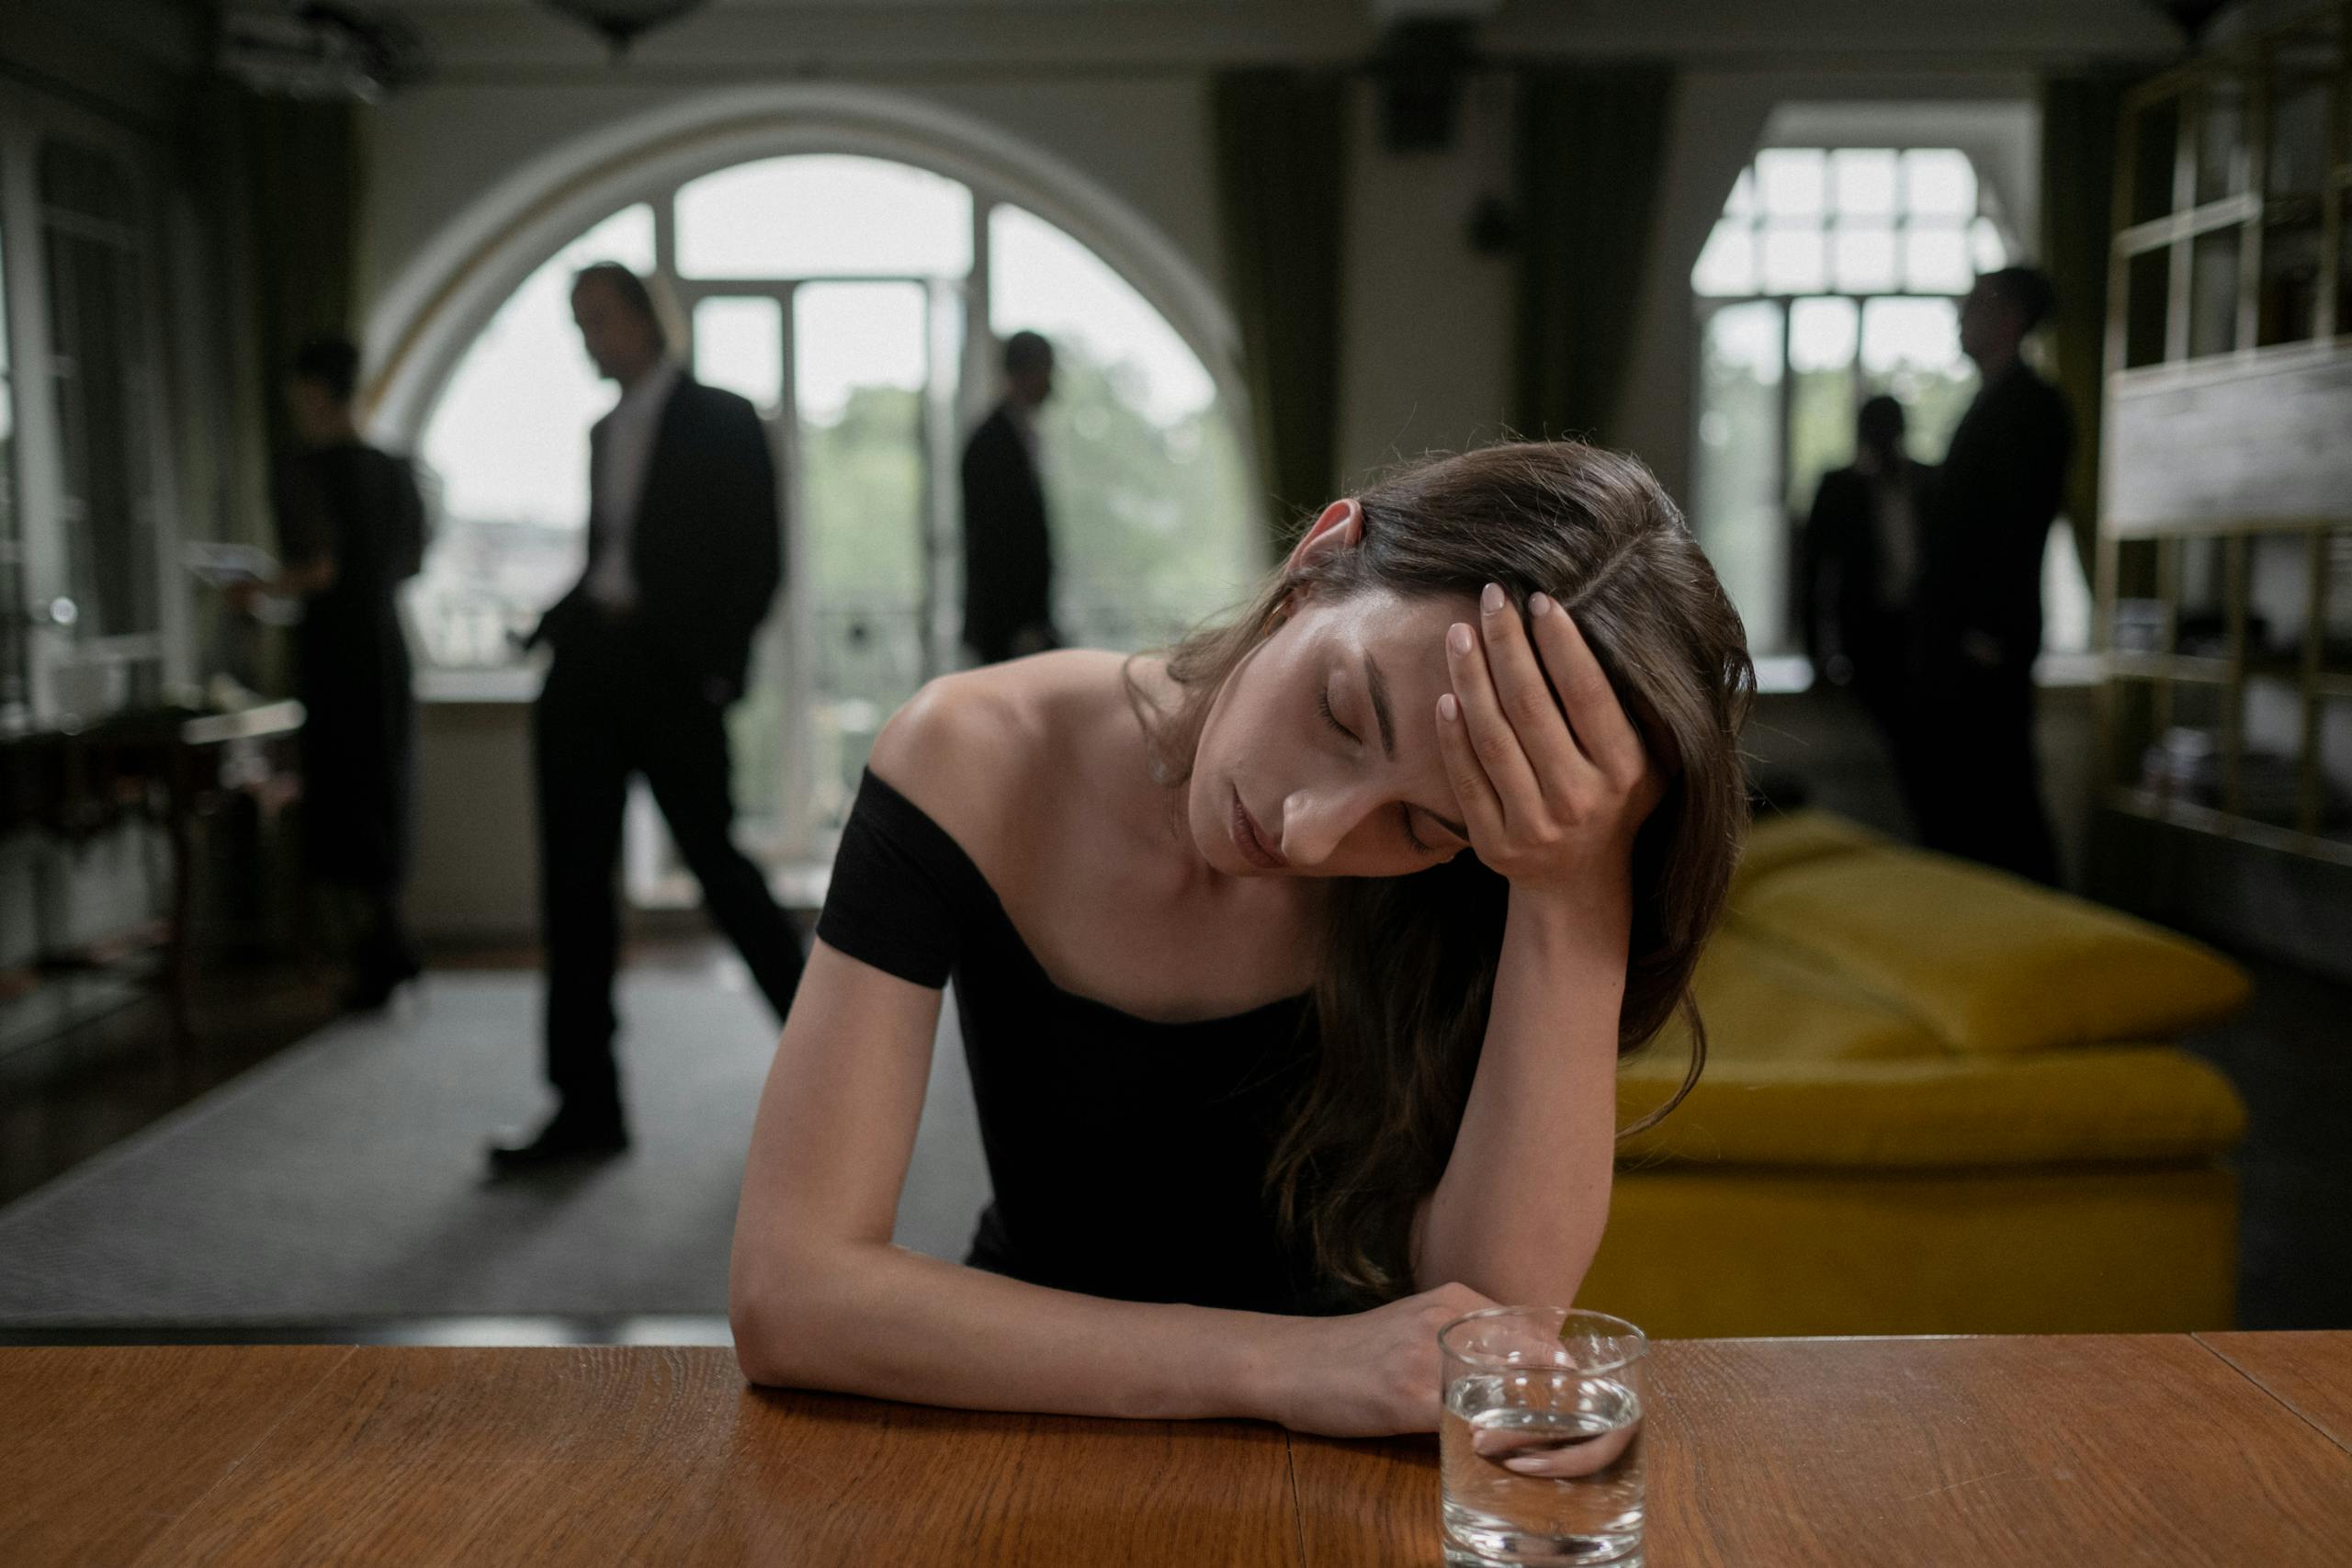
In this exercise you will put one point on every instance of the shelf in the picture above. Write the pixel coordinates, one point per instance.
(2149, 806)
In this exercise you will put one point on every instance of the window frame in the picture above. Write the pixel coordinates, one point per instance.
(1787, 668)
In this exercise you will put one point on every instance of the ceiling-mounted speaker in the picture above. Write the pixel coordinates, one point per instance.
(2191, 17)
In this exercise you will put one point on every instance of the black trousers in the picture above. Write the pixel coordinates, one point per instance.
(1965, 752)
(604, 716)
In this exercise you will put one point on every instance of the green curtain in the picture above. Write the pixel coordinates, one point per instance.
(1591, 146)
(1281, 144)
(2080, 116)
(303, 192)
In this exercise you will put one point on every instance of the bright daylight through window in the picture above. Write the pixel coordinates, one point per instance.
(833, 291)
(1834, 275)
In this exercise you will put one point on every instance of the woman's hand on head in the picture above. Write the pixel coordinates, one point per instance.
(1370, 1374)
(1553, 789)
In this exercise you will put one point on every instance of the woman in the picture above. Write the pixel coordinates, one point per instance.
(1253, 1041)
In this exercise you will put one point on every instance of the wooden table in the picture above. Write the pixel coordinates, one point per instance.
(2228, 1449)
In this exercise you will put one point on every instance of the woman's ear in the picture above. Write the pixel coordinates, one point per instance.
(1340, 527)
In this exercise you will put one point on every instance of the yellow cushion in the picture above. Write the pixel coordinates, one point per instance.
(1987, 961)
(1763, 1003)
(1698, 1253)
(2095, 1105)
(1793, 838)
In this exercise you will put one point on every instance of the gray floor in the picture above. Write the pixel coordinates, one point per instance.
(343, 1179)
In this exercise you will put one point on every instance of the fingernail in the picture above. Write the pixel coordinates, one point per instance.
(1492, 599)
(1458, 638)
(1526, 1464)
(1447, 708)
(1539, 604)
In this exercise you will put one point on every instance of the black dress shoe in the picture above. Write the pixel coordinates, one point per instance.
(568, 1136)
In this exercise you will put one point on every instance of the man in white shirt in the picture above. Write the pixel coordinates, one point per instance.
(651, 646)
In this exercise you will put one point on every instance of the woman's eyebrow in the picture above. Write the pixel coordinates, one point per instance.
(1377, 684)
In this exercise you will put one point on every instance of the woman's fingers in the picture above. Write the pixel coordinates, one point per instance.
(1525, 696)
(1508, 769)
(1482, 812)
(1603, 730)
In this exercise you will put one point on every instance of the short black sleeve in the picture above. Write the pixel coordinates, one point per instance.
(902, 888)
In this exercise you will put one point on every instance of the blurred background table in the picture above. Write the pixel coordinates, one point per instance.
(171, 767)
(2181, 1449)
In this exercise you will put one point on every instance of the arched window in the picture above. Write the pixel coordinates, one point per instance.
(857, 300)
(1834, 274)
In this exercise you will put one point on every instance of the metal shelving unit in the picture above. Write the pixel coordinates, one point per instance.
(2225, 560)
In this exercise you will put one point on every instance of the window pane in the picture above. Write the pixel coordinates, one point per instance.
(1935, 260)
(1042, 281)
(1792, 181)
(1742, 202)
(1864, 259)
(1822, 336)
(739, 344)
(508, 442)
(1795, 261)
(98, 365)
(1939, 182)
(1152, 527)
(823, 214)
(861, 361)
(1736, 480)
(1823, 333)
(1728, 264)
(1911, 349)
(1862, 181)
(12, 640)
(1985, 251)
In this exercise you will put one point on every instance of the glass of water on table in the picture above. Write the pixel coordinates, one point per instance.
(1540, 1439)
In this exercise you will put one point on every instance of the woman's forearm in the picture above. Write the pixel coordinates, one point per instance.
(1520, 1210)
(884, 1322)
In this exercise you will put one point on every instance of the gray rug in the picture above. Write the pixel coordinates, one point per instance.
(342, 1180)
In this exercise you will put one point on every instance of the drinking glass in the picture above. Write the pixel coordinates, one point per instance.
(1540, 1438)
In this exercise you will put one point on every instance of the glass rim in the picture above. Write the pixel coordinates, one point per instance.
(1624, 1330)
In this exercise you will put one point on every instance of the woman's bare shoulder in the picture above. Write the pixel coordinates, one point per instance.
(967, 746)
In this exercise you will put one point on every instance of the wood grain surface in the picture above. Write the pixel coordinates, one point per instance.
(413, 1456)
(2311, 1374)
(101, 1451)
(2069, 1451)
(2074, 1452)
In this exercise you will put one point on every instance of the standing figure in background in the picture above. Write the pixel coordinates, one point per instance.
(1862, 568)
(350, 531)
(652, 648)
(1980, 593)
(1008, 552)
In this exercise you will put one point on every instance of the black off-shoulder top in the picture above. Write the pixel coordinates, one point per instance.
(1128, 1155)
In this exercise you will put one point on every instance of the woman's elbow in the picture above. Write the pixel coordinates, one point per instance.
(770, 1326)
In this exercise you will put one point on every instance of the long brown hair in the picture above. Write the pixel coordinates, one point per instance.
(1408, 962)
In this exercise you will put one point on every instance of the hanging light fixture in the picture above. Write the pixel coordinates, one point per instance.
(620, 21)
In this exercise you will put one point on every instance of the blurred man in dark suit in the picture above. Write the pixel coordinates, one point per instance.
(652, 648)
(1862, 549)
(1008, 553)
(1862, 569)
(1979, 622)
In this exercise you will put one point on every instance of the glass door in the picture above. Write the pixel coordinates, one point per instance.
(857, 380)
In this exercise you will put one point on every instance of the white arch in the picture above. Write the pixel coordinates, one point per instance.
(422, 323)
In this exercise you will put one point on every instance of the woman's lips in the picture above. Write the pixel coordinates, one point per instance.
(1251, 839)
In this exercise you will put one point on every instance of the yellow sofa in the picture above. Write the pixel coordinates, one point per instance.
(1938, 1099)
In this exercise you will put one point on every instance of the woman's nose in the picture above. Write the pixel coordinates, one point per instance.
(1315, 821)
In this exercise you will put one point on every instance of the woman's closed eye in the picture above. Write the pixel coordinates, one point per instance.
(1405, 813)
(1323, 705)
